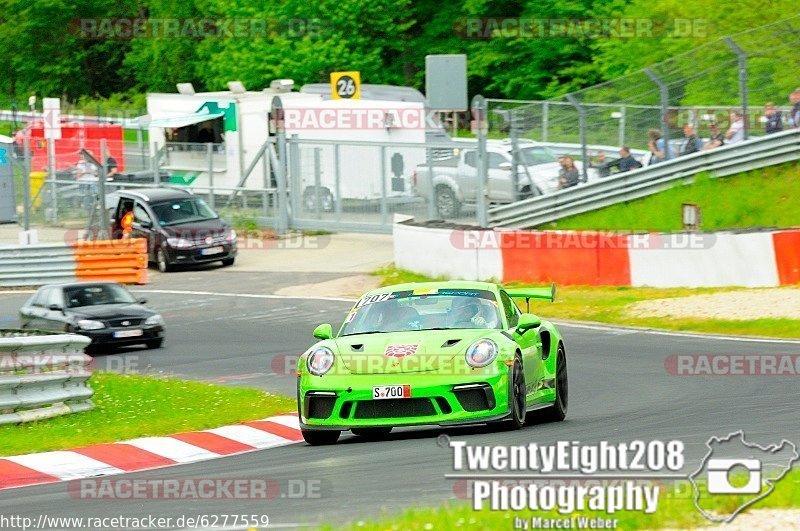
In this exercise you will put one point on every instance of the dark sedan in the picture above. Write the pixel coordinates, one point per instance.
(106, 312)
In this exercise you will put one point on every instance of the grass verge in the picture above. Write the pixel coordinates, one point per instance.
(675, 511)
(758, 198)
(130, 406)
(608, 304)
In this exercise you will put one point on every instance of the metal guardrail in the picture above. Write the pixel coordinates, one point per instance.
(727, 160)
(31, 265)
(42, 375)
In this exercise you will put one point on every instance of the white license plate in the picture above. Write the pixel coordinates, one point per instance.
(212, 250)
(383, 392)
(127, 333)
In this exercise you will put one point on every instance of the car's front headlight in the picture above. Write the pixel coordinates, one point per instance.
(88, 324)
(154, 320)
(481, 353)
(320, 361)
(179, 243)
(231, 236)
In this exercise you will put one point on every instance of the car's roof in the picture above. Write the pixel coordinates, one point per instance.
(64, 285)
(422, 286)
(152, 195)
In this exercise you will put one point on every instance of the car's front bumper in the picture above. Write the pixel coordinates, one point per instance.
(342, 402)
(106, 336)
(197, 256)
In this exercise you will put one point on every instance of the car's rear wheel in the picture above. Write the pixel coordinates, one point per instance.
(320, 437)
(558, 411)
(517, 397)
(372, 434)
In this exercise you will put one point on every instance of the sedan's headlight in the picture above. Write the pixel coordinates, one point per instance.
(154, 320)
(88, 324)
(179, 243)
(320, 361)
(481, 353)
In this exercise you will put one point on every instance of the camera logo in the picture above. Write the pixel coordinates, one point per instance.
(734, 470)
(721, 476)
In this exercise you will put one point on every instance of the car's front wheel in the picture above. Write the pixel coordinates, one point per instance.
(163, 262)
(155, 343)
(228, 262)
(320, 437)
(517, 397)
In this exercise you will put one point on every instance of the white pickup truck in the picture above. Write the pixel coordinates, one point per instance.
(454, 181)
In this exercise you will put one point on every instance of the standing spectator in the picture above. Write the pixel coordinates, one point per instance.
(659, 150)
(601, 164)
(794, 99)
(716, 139)
(86, 175)
(625, 162)
(774, 123)
(691, 143)
(735, 132)
(112, 168)
(569, 175)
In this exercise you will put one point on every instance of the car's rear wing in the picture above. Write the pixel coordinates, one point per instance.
(533, 293)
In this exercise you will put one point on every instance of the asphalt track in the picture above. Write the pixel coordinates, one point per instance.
(620, 391)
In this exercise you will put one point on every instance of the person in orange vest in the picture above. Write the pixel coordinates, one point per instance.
(127, 224)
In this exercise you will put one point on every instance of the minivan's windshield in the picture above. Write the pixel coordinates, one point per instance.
(438, 309)
(179, 211)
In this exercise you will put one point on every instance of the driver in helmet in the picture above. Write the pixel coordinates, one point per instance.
(467, 313)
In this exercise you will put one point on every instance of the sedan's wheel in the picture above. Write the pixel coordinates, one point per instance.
(517, 397)
(320, 437)
(558, 411)
(228, 262)
(372, 434)
(161, 260)
(155, 343)
(446, 202)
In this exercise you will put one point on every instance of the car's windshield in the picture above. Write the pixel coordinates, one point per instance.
(182, 211)
(95, 295)
(531, 156)
(437, 309)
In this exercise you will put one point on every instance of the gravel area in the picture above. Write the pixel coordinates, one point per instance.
(761, 520)
(740, 305)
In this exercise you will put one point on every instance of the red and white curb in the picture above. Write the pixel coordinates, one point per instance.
(148, 452)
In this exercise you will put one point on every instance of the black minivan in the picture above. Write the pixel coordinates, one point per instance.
(180, 228)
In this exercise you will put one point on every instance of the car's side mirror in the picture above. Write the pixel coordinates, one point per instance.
(505, 166)
(144, 224)
(323, 331)
(527, 321)
(141, 300)
(55, 308)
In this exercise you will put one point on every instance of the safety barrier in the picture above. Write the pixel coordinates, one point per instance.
(113, 260)
(42, 375)
(726, 160)
(765, 258)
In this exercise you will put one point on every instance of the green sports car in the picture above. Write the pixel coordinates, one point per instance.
(446, 353)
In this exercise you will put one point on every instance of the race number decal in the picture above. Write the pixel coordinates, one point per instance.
(346, 85)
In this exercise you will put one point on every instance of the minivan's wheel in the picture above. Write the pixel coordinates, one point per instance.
(162, 262)
(517, 396)
(558, 411)
(371, 434)
(320, 437)
(325, 199)
(228, 262)
(446, 203)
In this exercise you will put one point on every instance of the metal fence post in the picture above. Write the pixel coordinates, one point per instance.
(51, 174)
(281, 217)
(103, 233)
(743, 96)
(480, 129)
(384, 209)
(140, 145)
(621, 125)
(26, 184)
(664, 92)
(317, 182)
(582, 127)
(545, 120)
(210, 166)
(337, 173)
(293, 183)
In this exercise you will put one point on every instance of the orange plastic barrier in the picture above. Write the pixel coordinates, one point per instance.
(787, 256)
(122, 261)
(566, 257)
